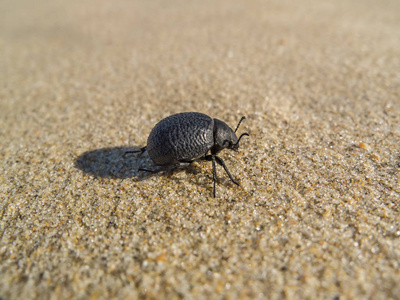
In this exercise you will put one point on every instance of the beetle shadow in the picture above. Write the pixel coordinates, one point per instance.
(111, 162)
(115, 163)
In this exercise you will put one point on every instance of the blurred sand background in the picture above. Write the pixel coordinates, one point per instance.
(317, 212)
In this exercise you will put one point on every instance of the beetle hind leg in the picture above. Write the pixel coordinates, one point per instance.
(150, 171)
(142, 150)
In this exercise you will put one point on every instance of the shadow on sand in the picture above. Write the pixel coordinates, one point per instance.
(114, 162)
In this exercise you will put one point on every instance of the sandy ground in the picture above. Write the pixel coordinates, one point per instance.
(317, 212)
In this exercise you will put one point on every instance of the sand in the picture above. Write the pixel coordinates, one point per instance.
(317, 213)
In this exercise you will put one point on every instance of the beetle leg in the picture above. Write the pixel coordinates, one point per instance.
(150, 171)
(215, 178)
(214, 172)
(221, 163)
(142, 150)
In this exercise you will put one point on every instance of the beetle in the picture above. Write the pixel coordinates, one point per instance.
(190, 136)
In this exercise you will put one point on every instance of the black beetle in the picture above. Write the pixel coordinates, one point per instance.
(190, 136)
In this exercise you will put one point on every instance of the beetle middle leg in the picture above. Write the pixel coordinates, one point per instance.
(214, 172)
(215, 178)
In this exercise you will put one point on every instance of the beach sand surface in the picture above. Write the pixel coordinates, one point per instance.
(317, 212)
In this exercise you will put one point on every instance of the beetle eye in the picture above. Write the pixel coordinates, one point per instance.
(227, 144)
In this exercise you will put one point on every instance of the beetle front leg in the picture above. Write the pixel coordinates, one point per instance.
(222, 163)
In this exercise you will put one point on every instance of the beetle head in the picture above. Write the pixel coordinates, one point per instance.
(225, 137)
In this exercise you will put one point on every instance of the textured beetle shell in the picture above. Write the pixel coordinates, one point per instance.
(179, 138)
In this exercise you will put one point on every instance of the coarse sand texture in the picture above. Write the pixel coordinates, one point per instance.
(317, 212)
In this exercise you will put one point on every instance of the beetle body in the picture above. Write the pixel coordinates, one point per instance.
(190, 136)
(179, 138)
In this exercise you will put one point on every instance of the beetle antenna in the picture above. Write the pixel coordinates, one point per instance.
(236, 146)
(243, 134)
(237, 127)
